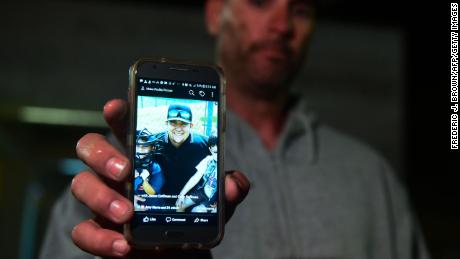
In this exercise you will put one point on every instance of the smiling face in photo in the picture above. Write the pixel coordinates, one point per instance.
(178, 131)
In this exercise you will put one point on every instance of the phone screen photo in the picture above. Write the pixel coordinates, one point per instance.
(176, 146)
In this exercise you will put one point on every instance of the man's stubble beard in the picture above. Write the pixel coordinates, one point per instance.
(253, 80)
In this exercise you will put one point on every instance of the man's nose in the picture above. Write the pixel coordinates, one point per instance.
(281, 22)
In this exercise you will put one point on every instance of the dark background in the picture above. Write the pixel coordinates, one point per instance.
(378, 70)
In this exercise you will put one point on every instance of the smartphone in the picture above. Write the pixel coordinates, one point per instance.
(176, 143)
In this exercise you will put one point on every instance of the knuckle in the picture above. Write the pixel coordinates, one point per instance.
(78, 184)
(75, 234)
(79, 232)
(87, 141)
(92, 136)
(101, 199)
(100, 239)
(81, 235)
(94, 194)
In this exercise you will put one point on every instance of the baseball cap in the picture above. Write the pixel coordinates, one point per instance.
(179, 112)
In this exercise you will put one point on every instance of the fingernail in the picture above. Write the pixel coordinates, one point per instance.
(116, 166)
(120, 246)
(118, 208)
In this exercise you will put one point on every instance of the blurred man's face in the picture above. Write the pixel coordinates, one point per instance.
(178, 131)
(261, 43)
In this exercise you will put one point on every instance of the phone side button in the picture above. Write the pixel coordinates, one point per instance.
(174, 233)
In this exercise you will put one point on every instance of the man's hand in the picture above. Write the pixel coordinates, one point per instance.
(100, 192)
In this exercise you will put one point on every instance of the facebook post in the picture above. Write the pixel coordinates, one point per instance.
(176, 155)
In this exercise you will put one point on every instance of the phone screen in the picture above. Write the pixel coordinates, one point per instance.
(176, 146)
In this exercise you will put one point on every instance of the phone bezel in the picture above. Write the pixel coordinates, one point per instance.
(154, 236)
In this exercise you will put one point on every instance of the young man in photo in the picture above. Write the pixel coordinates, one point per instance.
(183, 149)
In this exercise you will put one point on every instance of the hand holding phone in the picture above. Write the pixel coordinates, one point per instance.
(101, 193)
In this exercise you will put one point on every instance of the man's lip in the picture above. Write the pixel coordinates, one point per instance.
(275, 53)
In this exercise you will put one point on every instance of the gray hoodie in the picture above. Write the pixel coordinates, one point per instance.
(318, 194)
